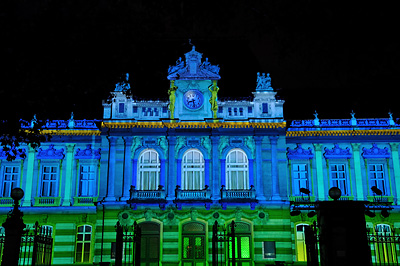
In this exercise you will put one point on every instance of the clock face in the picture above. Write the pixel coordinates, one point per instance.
(193, 99)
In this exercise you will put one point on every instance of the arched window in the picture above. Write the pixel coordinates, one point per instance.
(192, 170)
(148, 177)
(301, 251)
(237, 170)
(385, 246)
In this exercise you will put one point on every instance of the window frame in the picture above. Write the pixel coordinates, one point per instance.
(307, 178)
(152, 168)
(3, 179)
(83, 242)
(191, 168)
(386, 190)
(231, 167)
(92, 184)
(346, 178)
(56, 181)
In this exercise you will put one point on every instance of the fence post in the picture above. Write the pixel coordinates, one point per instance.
(119, 245)
(35, 243)
(137, 240)
(214, 244)
(232, 225)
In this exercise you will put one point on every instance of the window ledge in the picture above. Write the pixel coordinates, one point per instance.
(47, 201)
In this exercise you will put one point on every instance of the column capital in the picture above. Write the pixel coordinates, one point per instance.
(273, 139)
(171, 140)
(214, 139)
(112, 139)
(394, 146)
(317, 146)
(356, 146)
(259, 139)
(70, 147)
(128, 140)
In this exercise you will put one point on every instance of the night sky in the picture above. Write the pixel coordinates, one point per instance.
(64, 56)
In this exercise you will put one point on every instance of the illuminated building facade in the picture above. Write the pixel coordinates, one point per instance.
(177, 166)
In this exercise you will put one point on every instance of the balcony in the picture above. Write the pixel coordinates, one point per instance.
(238, 196)
(6, 202)
(302, 198)
(84, 201)
(47, 201)
(147, 196)
(192, 196)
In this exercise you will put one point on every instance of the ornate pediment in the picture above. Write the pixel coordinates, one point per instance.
(193, 68)
(337, 153)
(88, 153)
(18, 153)
(299, 153)
(376, 152)
(50, 153)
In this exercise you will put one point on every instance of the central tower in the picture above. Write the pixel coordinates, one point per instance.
(193, 89)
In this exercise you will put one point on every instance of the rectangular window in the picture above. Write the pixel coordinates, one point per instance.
(121, 108)
(134, 109)
(269, 249)
(144, 111)
(241, 111)
(300, 178)
(376, 177)
(265, 108)
(87, 180)
(10, 179)
(249, 109)
(49, 181)
(83, 241)
(339, 179)
(165, 109)
(220, 109)
(229, 111)
(235, 111)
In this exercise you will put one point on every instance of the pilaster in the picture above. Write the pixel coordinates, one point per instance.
(68, 175)
(127, 168)
(111, 169)
(274, 168)
(171, 182)
(27, 200)
(396, 166)
(357, 170)
(259, 175)
(320, 173)
(214, 174)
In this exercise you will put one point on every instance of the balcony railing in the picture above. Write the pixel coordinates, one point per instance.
(147, 195)
(200, 195)
(47, 201)
(6, 202)
(238, 194)
(84, 201)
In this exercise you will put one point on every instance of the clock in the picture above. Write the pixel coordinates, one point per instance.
(193, 99)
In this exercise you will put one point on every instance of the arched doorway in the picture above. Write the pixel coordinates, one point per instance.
(242, 244)
(194, 244)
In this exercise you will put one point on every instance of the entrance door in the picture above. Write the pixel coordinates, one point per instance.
(242, 245)
(150, 244)
(193, 244)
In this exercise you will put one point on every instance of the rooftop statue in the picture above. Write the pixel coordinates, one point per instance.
(123, 85)
(263, 82)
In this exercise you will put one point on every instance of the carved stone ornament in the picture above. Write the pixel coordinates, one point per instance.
(125, 218)
(337, 153)
(123, 85)
(299, 153)
(376, 152)
(21, 154)
(88, 153)
(180, 143)
(193, 69)
(163, 143)
(206, 143)
(136, 143)
(223, 142)
(50, 153)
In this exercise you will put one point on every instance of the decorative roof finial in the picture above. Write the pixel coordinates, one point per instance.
(33, 121)
(353, 120)
(71, 121)
(316, 120)
(391, 121)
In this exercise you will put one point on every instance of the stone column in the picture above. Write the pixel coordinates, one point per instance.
(320, 174)
(396, 166)
(68, 175)
(215, 186)
(171, 178)
(259, 174)
(274, 168)
(27, 202)
(357, 170)
(111, 169)
(127, 168)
